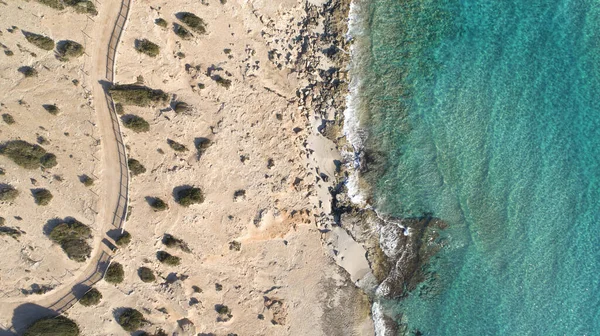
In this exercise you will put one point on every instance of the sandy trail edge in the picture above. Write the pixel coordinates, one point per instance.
(110, 173)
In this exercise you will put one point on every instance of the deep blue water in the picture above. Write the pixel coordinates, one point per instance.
(488, 112)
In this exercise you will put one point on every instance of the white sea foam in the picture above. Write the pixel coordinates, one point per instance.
(356, 135)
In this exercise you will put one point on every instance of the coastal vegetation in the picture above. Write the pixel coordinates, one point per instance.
(51, 108)
(40, 41)
(146, 274)
(167, 258)
(193, 21)
(7, 118)
(135, 123)
(176, 146)
(161, 22)
(172, 242)
(114, 273)
(187, 196)
(28, 71)
(71, 235)
(130, 319)
(86, 180)
(68, 49)
(53, 325)
(8, 231)
(147, 47)
(181, 32)
(27, 155)
(80, 6)
(91, 298)
(8, 193)
(137, 95)
(42, 196)
(124, 239)
(135, 167)
(157, 204)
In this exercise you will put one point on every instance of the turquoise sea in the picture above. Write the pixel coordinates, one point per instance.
(487, 113)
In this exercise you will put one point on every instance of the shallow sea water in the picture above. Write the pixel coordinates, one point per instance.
(488, 113)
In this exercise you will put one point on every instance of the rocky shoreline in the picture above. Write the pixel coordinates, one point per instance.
(395, 249)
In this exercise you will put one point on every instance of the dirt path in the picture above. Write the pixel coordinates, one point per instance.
(112, 208)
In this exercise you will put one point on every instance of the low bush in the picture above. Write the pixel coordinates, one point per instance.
(167, 258)
(11, 232)
(91, 298)
(8, 193)
(124, 239)
(147, 47)
(7, 118)
(42, 196)
(182, 32)
(71, 235)
(137, 95)
(188, 196)
(119, 108)
(135, 123)
(135, 167)
(202, 145)
(53, 325)
(181, 107)
(193, 21)
(222, 309)
(157, 204)
(40, 41)
(28, 71)
(130, 319)
(51, 108)
(172, 242)
(86, 7)
(86, 180)
(69, 49)
(27, 155)
(114, 273)
(161, 22)
(176, 146)
(146, 274)
(224, 82)
(56, 4)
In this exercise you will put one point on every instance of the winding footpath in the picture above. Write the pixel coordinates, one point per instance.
(112, 206)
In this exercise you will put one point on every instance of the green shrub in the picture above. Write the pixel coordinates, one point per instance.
(137, 95)
(222, 310)
(189, 196)
(114, 273)
(194, 22)
(48, 160)
(56, 4)
(69, 49)
(146, 274)
(49, 326)
(167, 258)
(135, 167)
(28, 71)
(71, 236)
(7, 118)
(42, 196)
(158, 204)
(172, 242)
(8, 231)
(124, 239)
(182, 32)
(8, 52)
(91, 298)
(161, 22)
(51, 108)
(176, 146)
(130, 319)
(147, 47)
(135, 123)
(180, 107)
(202, 145)
(86, 180)
(227, 51)
(8, 193)
(40, 41)
(224, 82)
(119, 108)
(27, 155)
(86, 7)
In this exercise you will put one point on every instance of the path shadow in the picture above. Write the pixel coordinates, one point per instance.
(27, 313)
